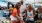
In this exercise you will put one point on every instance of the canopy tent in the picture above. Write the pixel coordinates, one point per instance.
(6, 2)
(3, 4)
(15, 1)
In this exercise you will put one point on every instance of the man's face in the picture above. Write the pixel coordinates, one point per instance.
(22, 2)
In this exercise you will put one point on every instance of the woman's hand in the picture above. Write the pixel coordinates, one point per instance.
(30, 16)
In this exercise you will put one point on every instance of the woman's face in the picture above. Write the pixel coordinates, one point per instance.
(29, 6)
(18, 5)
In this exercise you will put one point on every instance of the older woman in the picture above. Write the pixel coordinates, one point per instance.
(30, 12)
(39, 12)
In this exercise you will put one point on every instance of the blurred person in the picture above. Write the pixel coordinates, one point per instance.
(10, 10)
(4, 12)
(7, 20)
(4, 15)
(39, 12)
(36, 17)
(13, 15)
(22, 8)
(19, 14)
(18, 11)
(30, 14)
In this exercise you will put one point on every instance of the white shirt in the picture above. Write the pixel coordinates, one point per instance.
(22, 8)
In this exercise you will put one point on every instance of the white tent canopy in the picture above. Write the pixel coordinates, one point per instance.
(3, 4)
(30, 1)
(15, 1)
(12, 0)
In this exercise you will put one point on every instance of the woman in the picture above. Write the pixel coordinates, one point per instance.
(13, 15)
(39, 12)
(18, 11)
(30, 12)
(19, 14)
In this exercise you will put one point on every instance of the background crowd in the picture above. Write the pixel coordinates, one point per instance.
(20, 13)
